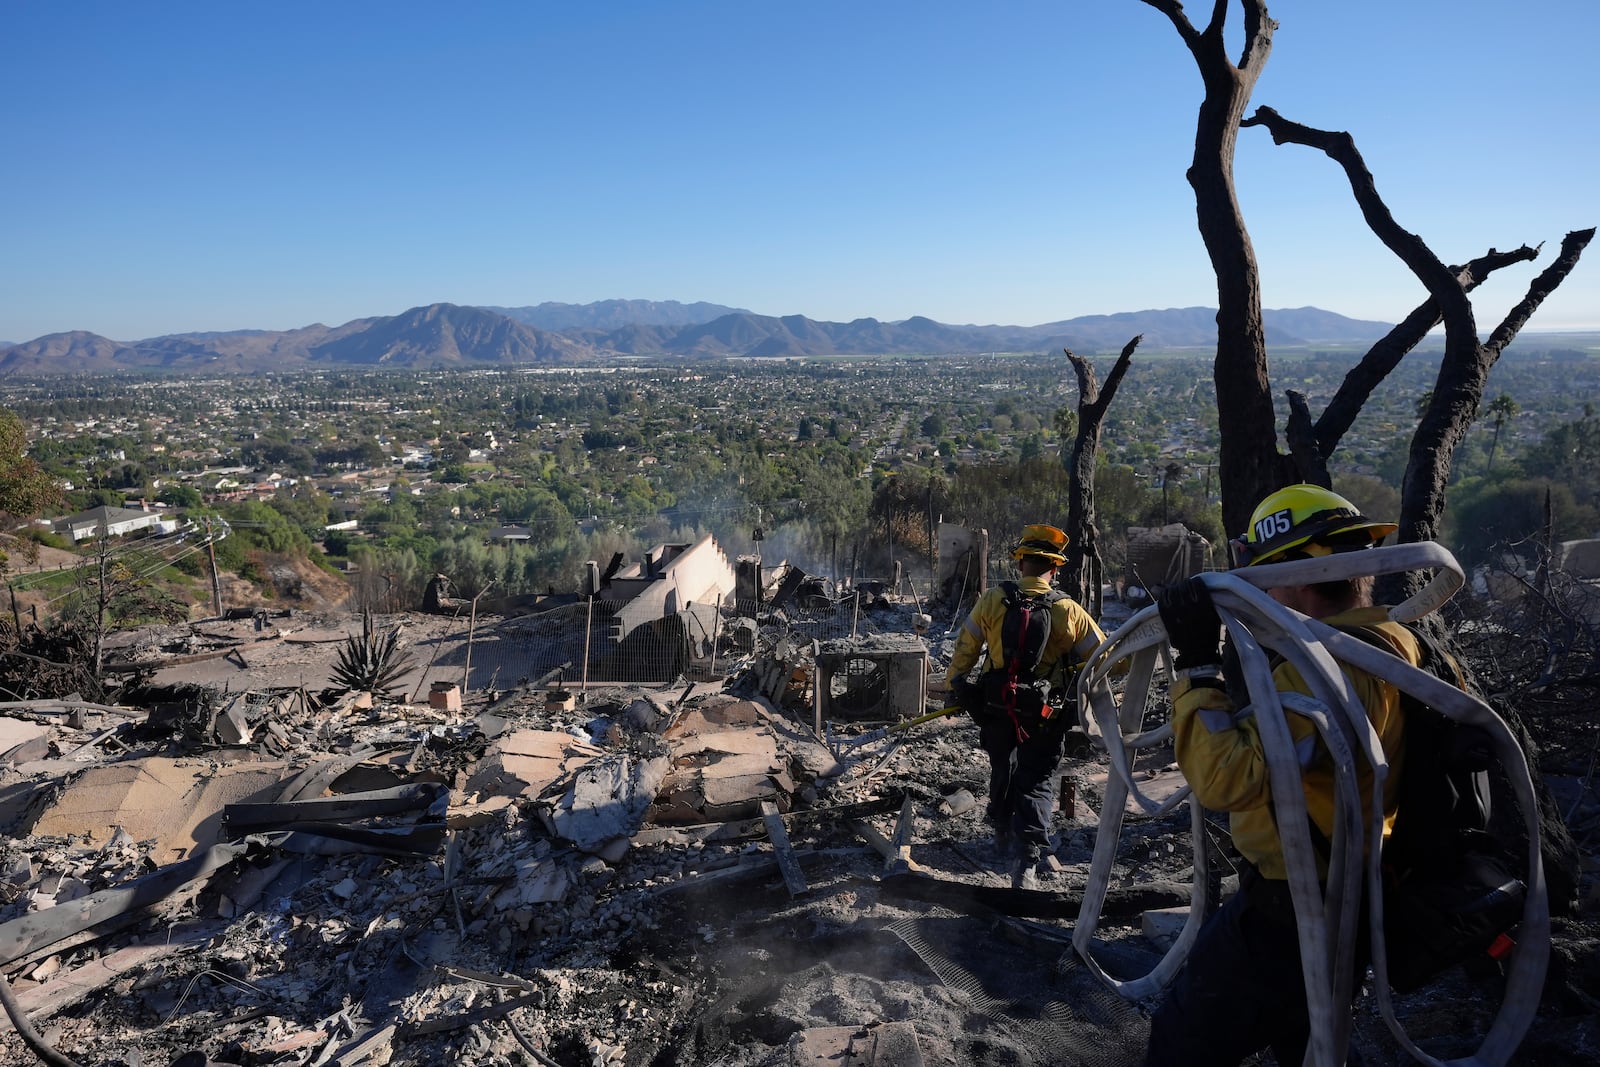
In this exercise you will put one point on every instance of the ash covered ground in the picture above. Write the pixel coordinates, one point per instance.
(537, 878)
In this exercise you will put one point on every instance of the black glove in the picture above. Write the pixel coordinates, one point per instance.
(1192, 624)
(968, 695)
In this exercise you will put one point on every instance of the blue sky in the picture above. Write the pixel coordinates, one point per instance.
(208, 166)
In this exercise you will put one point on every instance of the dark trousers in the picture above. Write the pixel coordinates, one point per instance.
(1022, 779)
(1241, 990)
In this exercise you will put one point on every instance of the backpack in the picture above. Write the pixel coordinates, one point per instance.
(1013, 690)
(1449, 893)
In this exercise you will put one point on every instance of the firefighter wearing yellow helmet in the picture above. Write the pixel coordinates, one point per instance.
(1305, 520)
(1023, 737)
(1241, 989)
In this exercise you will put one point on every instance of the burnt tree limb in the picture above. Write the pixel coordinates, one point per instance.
(1382, 358)
(1081, 573)
(1463, 372)
(1458, 394)
(1249, 464)
(1309, 458)
(1572, 246)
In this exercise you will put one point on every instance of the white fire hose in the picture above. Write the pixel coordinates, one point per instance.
(1256, 624)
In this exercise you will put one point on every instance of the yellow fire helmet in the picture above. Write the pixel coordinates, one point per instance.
(1042, 540)
(1305, 520)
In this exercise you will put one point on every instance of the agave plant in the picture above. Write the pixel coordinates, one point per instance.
(371, 662)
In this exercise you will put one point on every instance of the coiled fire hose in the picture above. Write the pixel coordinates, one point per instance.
(1257, 624)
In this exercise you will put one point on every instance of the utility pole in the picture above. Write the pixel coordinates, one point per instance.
(472, 626)
(216, 581)
(102, 599)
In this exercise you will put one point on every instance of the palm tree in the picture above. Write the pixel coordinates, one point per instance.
(1502, 408)
(1173, 471)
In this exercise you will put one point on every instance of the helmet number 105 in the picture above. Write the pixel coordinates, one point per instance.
(1272, 525)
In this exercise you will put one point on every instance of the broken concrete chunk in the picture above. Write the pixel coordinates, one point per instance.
(22, 741)
(466, 814)
(16, 869)
(231, 727)
(538, 881)
(715, 714)
(723, 774)
(177, 804)
(958, 803)
(1163, 925)
(57, 889)
(607, 800)
(642, 717)
(883, 1045)
(526, 762)
(814, 760)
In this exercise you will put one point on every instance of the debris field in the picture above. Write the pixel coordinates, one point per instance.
(244, 866)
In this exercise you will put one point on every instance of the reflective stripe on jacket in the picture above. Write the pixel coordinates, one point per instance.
(1073, 634)
(1223, 759)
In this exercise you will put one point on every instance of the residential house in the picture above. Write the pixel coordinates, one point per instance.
(106, 521)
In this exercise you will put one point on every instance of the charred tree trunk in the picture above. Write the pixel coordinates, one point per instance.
(1249, 463)
(1459, 392)
(1385, 355)
(1463, 373)
(1080, 575)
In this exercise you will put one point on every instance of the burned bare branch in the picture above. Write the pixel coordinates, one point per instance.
(1081, 575)
(1466, 362)
(1437, 278)
(1303, 444)
(1174, 11)
(1385, 355)
(1572, 246)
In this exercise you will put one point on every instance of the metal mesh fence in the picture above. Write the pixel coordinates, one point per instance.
(622, 641)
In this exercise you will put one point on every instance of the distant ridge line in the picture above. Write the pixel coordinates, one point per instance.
(443, 335)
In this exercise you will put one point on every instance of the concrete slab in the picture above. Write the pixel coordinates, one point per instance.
(723, 774)
(175, 803)
(607, 801)
(526, 762)
(883, 1045)
(21, 741)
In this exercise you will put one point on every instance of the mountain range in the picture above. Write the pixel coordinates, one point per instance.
(551, 334)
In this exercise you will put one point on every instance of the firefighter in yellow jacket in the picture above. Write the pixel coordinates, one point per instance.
(1024, 743)
(1241, 989)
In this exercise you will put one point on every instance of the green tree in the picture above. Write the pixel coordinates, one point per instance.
(26, 491)
(1121, 498)
(1501, 408)
(260, 525)
(102, 497)
(1510, 516)
(179, 496)
(1569, 454)
(1373, 497)
(901, 507)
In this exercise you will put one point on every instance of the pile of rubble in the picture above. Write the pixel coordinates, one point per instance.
(693, 873)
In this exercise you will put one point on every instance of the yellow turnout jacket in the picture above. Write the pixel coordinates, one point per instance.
(1222, 757)
(1073, 634)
